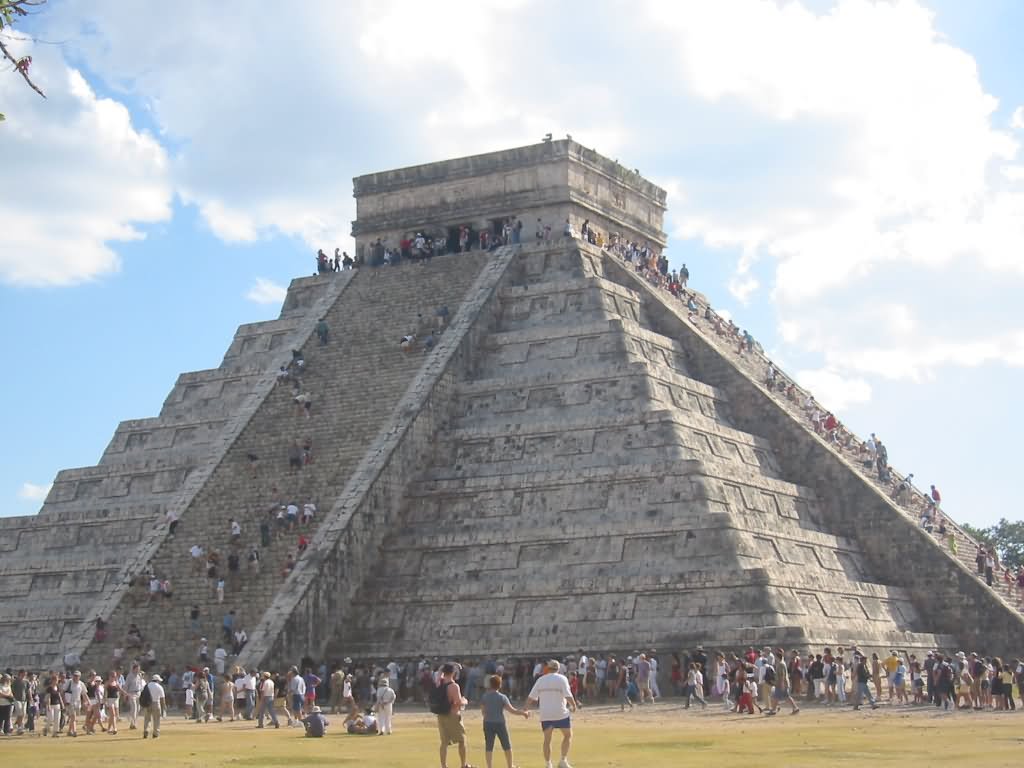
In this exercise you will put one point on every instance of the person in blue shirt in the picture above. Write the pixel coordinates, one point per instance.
(494, 705)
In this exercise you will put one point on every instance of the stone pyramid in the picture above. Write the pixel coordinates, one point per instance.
(575, 463)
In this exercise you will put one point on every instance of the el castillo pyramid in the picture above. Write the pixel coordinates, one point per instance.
(576, 463)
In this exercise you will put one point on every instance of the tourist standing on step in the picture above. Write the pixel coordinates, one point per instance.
(153, 701)
(554, 698)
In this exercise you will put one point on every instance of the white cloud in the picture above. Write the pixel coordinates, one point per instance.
(883, 162)
(1017, 119)
(34, 492)
(742, 287)
(77, 177)
(833, 390)
(266, 291)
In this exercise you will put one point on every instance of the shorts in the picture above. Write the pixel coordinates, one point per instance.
(19, 709)
(562, 724)
(451, 728)
(780, 694)
(296, 702)
(499, 731)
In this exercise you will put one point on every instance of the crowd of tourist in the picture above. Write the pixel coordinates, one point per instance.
(362, 696)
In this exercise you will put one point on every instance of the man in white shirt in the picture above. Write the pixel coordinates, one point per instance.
(156, 708)
(75, 700)
(197, 554)
(296, 696)
(267, 702)
(308, 512)
(132, 688)
(220, 657)
(249, 684)
(655, 690)
(555, 700)
(240, 694)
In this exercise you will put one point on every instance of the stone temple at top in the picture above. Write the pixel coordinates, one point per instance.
(573, 458)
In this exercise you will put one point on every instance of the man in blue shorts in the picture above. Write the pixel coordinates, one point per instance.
(555, 700)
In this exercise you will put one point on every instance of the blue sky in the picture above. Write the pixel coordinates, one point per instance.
(846, 179)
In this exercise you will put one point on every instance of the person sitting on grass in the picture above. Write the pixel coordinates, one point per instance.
(315, 723)
(363, 725)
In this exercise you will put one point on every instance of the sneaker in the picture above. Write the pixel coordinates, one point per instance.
(564, 763)
(156, 735)
(145, 735)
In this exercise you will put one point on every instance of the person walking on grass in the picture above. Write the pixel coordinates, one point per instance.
(555, 701)
(153, 702)
(862, 675)
(494, 705)
(447, 702)
(782, 691)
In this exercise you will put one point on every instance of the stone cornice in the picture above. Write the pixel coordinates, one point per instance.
(506, 160)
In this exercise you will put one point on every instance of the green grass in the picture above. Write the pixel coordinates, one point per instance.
(663, 736)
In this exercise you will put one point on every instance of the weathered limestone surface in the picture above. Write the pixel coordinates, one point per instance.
(946, 595)
(593, 489)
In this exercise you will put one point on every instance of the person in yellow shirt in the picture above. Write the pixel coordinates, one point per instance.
(891, 664)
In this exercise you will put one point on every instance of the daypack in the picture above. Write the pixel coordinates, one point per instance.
(439, 702)
(145, 697)
(769, 674)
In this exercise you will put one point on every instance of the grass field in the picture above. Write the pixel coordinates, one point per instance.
(660, 736)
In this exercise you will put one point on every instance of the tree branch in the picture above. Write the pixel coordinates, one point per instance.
(20, 69)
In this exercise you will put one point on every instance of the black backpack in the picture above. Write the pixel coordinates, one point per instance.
(769, 674)
(145, 697)
(439, 702)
